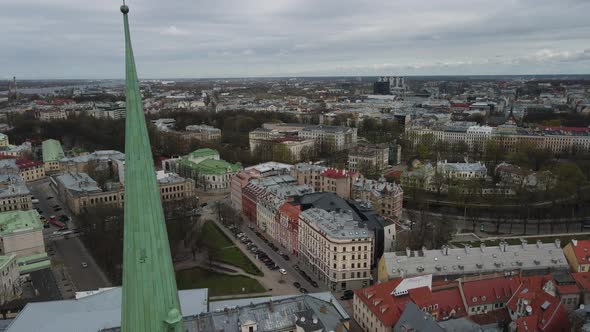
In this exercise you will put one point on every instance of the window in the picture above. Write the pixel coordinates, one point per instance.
(344, 249)
(251, 329)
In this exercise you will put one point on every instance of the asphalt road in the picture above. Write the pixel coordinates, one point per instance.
(71, 252)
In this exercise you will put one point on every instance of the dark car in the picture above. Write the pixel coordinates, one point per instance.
(49, 197)
(303, 290)
(285, 257)
(348, 292)
(296, 267)
(276, 267)
(297, 285)
(57, 209)
(346, 297)
(314, 283)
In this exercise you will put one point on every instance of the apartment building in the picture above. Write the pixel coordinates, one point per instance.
(51, 114)
(462, 171)
(102, 159)
(240, 180)
(336, 248)
(28, 170)
(10, 285)
(79, 191)
(385, 197)
(334, 138)
(577, 253)
(372, 158)
(322, 178)
(14, 194)
(556, 139)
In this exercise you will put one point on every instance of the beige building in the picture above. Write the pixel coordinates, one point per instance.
(14, 194)
(21, 233)
(556, 139)
(577, 253)
(335, 248)
(3, 140)
(203, 133)
(28, 170)
(10, 286)
(368, 158)
(80, 191)
(102, 159)
(51, 114)
(386, 198)
(325, 179)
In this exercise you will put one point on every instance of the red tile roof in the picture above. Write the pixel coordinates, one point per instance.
(449, 303)
(388, 308)
(23, 163)
(337, 173)
(583, 280)
(582, 251)
(460, 105)
(491, 317)
(548, 312)
(490, 290)
(421, 296)
(574, 129)
(568, 289)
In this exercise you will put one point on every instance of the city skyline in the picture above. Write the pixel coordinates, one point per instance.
(297, 38)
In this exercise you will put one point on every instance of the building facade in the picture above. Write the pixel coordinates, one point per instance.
(326, 179)
(337, 249)
(577, 253)
(368, 158)
(208, 170)
(386, 198)
(21, 233)
(10, 285)
(52, 153)
(79, 191)
(204, 133)
(14, 194)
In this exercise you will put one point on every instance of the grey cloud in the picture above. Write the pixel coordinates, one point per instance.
(199, 38)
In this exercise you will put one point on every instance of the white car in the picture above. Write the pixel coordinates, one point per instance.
(84, 265)
(282, 271)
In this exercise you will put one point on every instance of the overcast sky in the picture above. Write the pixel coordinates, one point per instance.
(246, 38)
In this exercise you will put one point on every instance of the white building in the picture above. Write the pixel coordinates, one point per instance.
(10, 286)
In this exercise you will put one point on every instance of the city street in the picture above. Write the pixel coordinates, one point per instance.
(271, 278)
(67, 253)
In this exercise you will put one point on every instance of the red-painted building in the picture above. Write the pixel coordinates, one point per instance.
(249, 199)
(289, 226)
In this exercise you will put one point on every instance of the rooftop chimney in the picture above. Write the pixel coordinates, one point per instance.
(574, 242)
(467, 246)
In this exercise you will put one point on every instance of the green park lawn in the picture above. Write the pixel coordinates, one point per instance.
(228, 253)
(218, 284)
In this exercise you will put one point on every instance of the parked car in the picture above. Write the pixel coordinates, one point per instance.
(55, 206)
(297, 285)
(348, 292)
(84, 264)
(283, 271)
(285, 257)
(314, 283)
(296, 267)
(49, 197)
(303, 290)
(276, 267)
(57, 209)
(346, 297)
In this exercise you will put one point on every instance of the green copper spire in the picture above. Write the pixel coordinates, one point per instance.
(150, 297)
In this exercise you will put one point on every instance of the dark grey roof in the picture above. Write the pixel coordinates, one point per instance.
(416, 320)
